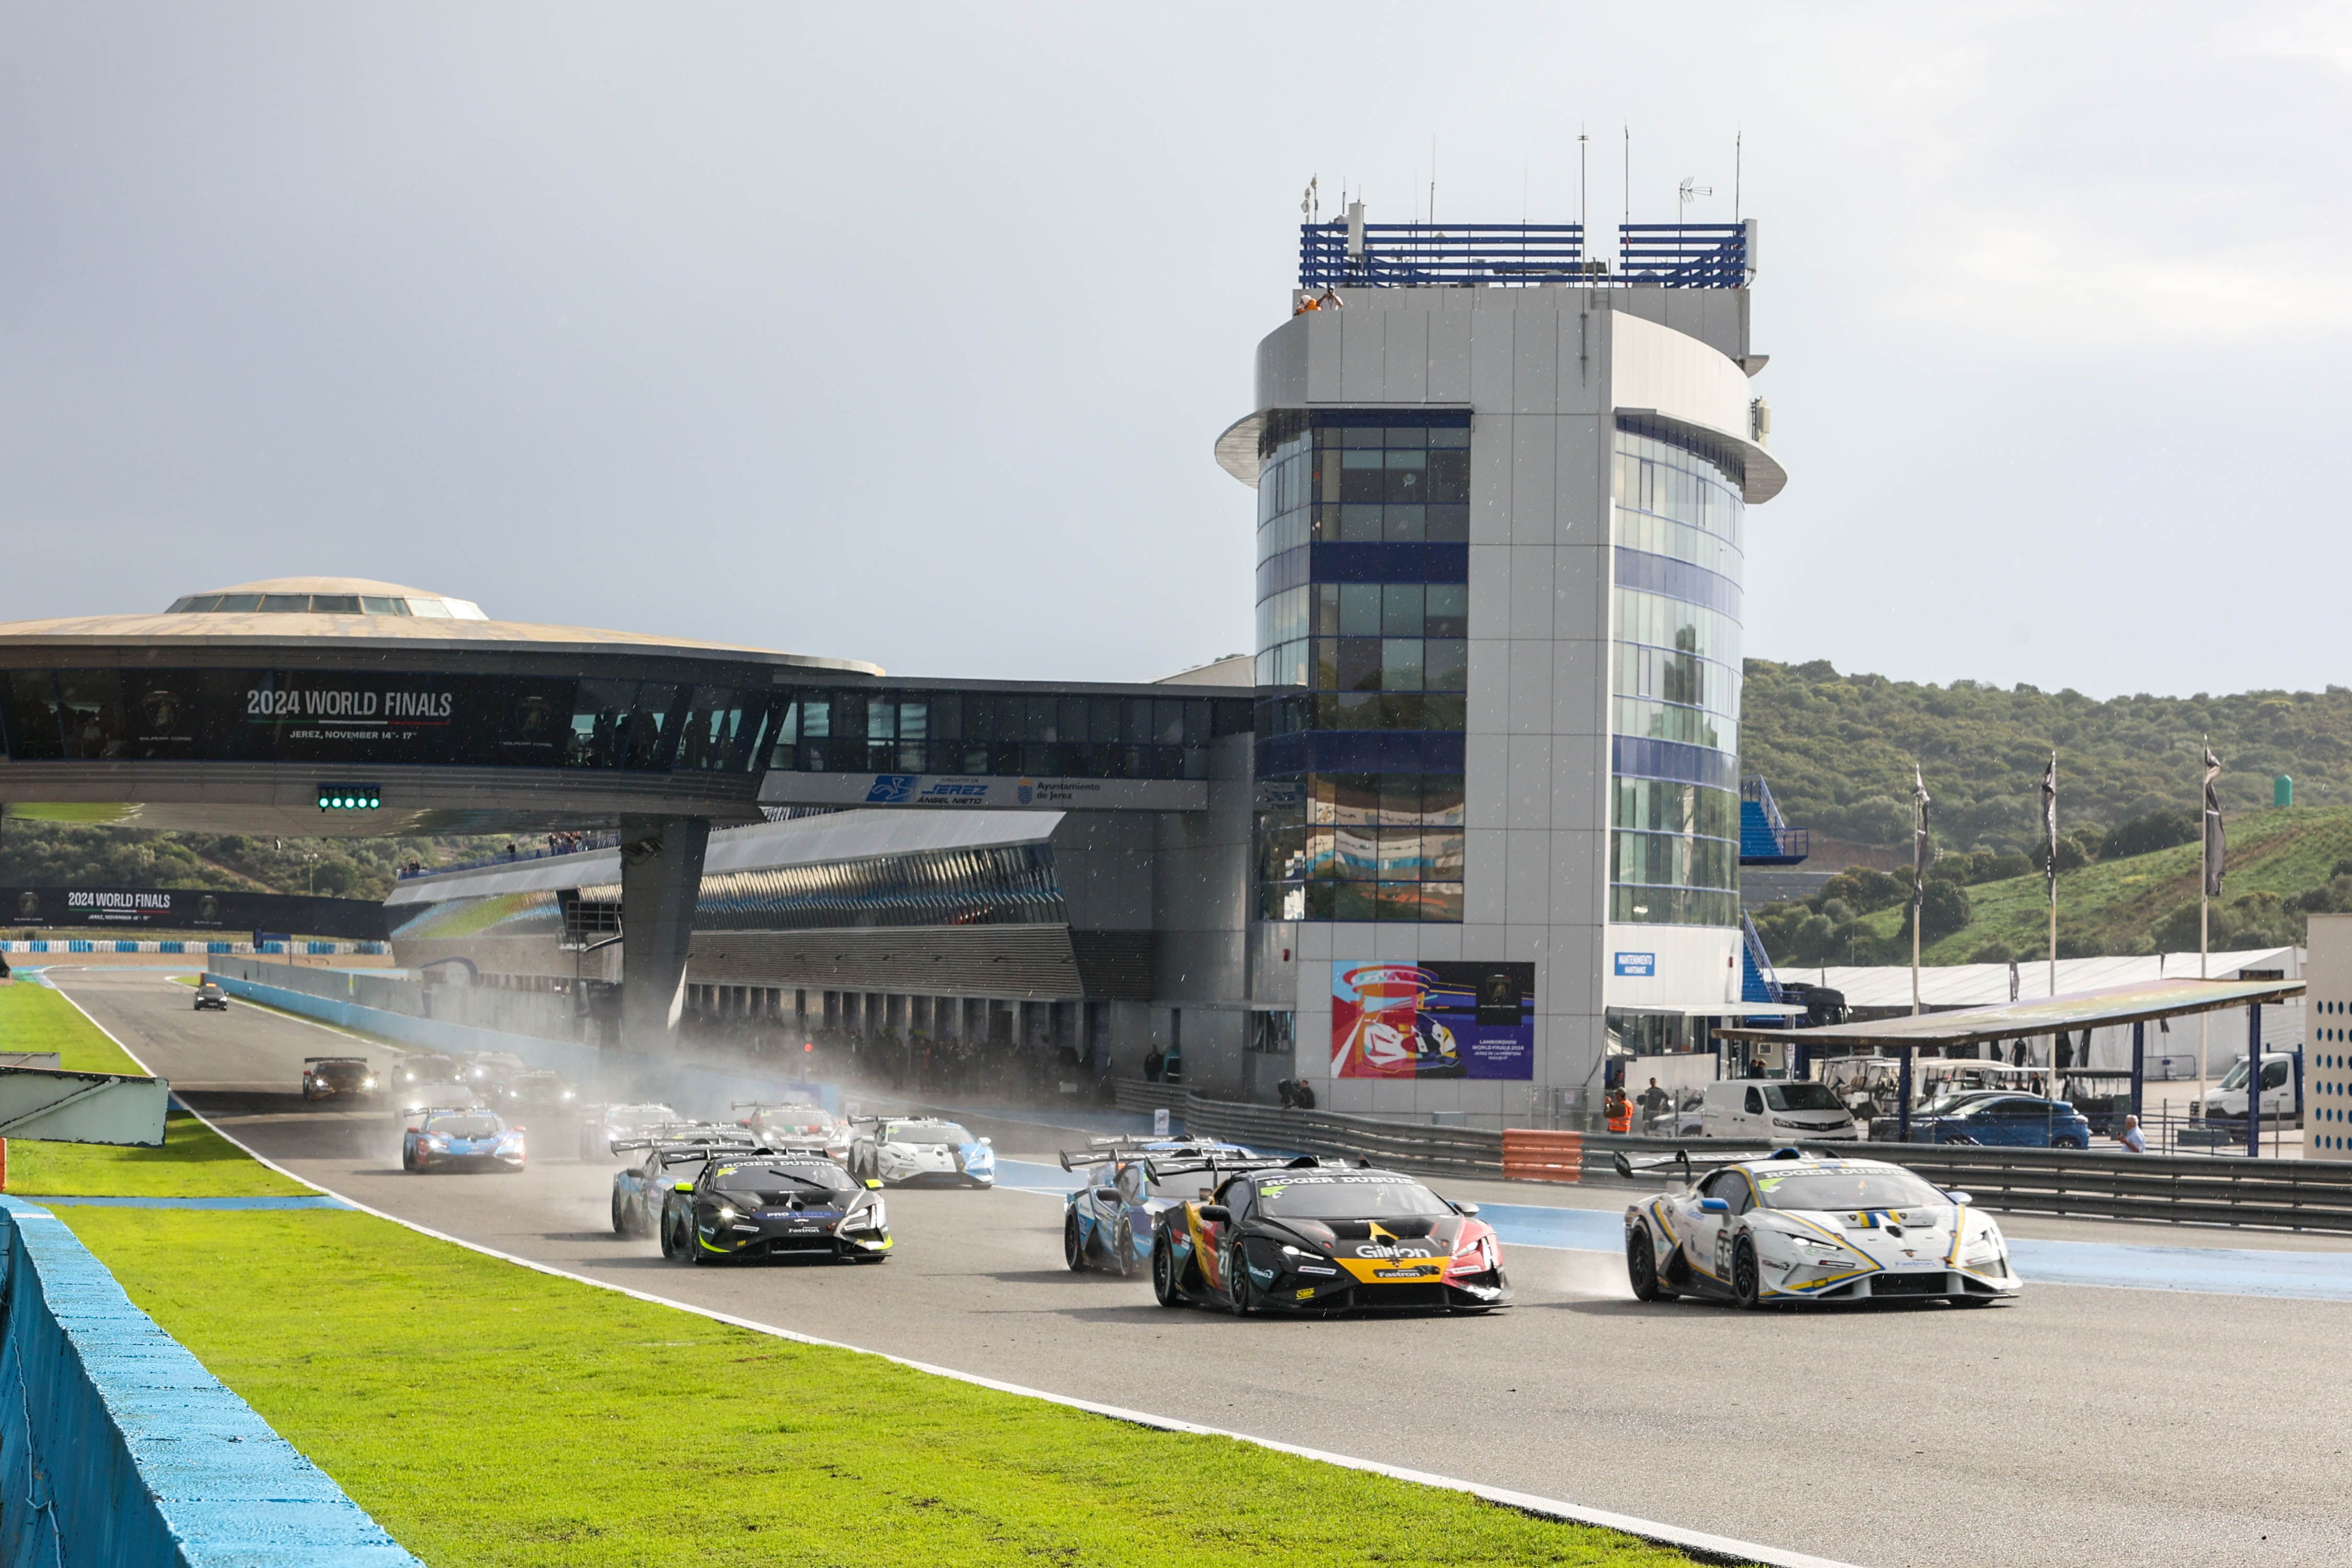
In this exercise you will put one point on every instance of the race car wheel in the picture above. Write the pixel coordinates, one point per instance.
(621, 1225)
(1641, 1267)
(1122, 1245)
(1074, 1245)
(1747, 1275)
(1163, 1272)
(669, 1235)
(407, 1158)
(1241, 1295)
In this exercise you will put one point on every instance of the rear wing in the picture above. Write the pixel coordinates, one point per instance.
(1217, 1166)
(1111, 1150)
(674, 1150)
(363, 1061)
(1682, 1164)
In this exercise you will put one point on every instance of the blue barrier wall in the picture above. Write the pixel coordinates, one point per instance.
(119, 1450)
(691, 1087)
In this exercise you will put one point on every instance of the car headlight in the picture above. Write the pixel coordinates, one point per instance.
(1814, 1243)
(727, 1214)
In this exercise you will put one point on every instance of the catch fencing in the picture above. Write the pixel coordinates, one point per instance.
(2192, 1189)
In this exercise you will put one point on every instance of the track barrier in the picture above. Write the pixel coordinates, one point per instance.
(1531, 1155)
(119, 1450)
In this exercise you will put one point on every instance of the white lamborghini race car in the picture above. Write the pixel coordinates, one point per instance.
(1791, 1227)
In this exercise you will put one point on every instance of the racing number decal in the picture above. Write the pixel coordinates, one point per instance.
(1723, 1253)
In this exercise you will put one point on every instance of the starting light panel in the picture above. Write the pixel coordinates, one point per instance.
(350, 797)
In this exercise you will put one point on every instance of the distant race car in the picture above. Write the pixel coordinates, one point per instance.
(1107, 1222)
(606, 1124)
(330, 1078)
(775, 1205)
(1311, 1235)
(489, 1071)
(536, 1091)
(677, 1153)
(1788, 1226)
(210, 996)
(426, 1067)
(790, 1124)
(920, 1151)
(461, 1140)
(413, 1101)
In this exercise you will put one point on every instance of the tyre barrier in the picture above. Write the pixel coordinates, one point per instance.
(119, 1450)
(2182, 1189)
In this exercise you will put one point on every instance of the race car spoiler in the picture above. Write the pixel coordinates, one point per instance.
(1682, 1162)
(1108, 1150)
(1215, 1165)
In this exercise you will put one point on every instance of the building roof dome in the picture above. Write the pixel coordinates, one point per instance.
(327, 596)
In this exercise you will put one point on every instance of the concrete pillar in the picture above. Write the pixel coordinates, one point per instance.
(661, 877)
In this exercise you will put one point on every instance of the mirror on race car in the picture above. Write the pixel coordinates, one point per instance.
(1465, 1210)
(1961, 1197)
(681, 1186)
(1713, 1205)
(872, 1184)
(1215, 1214)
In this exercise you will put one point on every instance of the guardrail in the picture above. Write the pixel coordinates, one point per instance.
(119, 1450)
(2192, 1189)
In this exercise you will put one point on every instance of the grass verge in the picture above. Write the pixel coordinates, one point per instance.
(193, 1162)
(484, 1413)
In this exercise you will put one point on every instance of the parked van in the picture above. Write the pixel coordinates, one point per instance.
(1774, 1110)
(2228, 1104)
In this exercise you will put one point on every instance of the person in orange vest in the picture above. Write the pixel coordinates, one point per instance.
(1620, 1110)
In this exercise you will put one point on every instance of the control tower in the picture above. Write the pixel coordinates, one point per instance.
(1502, 494)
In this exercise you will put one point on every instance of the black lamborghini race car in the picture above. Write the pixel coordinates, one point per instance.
(1318, 1235)
(775, 1205)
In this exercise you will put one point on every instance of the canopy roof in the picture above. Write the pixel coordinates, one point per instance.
(2100, 1008)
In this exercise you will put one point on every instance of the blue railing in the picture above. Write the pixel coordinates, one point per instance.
(1757, 983)
(1424, 255)
(1765, 837)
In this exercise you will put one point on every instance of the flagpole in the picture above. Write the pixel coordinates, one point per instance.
(1919, 859)
(2049, 854)
(2208, 807)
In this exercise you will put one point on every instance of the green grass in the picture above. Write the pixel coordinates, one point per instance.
(193, 1162)
(484, 1413)
(2270, 851)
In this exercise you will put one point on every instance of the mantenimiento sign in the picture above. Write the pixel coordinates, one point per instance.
(193, 908)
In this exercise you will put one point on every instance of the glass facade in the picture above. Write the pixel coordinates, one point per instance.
(1674, 691)
(1362, 663)
(1011, 884)
(1012, 733)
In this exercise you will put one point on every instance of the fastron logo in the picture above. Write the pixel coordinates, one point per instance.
(891, 789)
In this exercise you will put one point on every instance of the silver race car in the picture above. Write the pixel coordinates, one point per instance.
(1759, 1229)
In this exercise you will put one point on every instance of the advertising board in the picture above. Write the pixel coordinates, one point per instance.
(1435, 1019)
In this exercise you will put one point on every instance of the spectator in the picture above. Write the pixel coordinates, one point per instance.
(1654, 1099)
(1618, 1109)
(1155, 1065)
(2133, 1139)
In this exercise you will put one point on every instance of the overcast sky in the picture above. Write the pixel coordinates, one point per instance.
(903, 333)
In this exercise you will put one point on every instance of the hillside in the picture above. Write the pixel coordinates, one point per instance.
(1838, 751)
(54, 855)
(2283, 866)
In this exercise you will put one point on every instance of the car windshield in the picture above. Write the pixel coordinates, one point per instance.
(2237, 1078)
(1945, 1104)
(772, 1181)
(929, 1132)
(1801, 1096)
(1839, 1191)
(1347, 1197)
(463, 1126)
(815, 1123)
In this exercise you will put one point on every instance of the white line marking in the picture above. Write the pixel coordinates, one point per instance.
(1699, 1543)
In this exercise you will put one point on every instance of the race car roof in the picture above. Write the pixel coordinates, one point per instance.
(2101, 1008)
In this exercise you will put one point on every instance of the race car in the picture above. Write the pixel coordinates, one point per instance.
(210, 996)
(606, 1123)
(1307, 1234)
(1107, 1223)
(775, 1205)
(918, 1150)
(427, 1067)
(461, 1140)
(415, 1100)
(1787, 1226)
(679, 1154)
(781, 1124)
(326, 1077)
(536, 1090)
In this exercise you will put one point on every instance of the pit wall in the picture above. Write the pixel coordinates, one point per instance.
(396, 1009)
(119, 1450)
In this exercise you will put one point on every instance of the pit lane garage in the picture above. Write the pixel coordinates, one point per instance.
(1309, 1236)
(1789, 1227)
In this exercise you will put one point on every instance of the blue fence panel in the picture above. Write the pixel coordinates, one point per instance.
(117, 1448)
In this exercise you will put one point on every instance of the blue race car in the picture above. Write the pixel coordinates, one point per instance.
(460, 1140)
(2007, 1121)
(669, 1153)
(918, 1150)
(1107, 1224)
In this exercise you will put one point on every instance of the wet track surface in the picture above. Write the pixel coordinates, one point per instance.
(2081, 1426)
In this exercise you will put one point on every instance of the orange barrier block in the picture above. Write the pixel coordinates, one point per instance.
(1529, 1156)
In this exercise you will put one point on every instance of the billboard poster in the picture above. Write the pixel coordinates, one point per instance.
(193, 908)
(1436, 1019)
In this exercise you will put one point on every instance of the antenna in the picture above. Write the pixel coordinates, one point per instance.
(1432, 180)
(1629, 174)
(1690, 190)
(1737, 136)
(1584, 146)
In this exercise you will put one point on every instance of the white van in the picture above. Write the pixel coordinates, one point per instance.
(2228, 1104)
(1773, 1110)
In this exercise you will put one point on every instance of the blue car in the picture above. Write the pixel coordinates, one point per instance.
(2008, 1120)
(1107, 1224)
(460, 1140)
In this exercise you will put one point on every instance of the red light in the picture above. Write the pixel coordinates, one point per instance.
(808, 1045)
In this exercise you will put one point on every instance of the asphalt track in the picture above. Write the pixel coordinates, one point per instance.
(2084, 1425)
